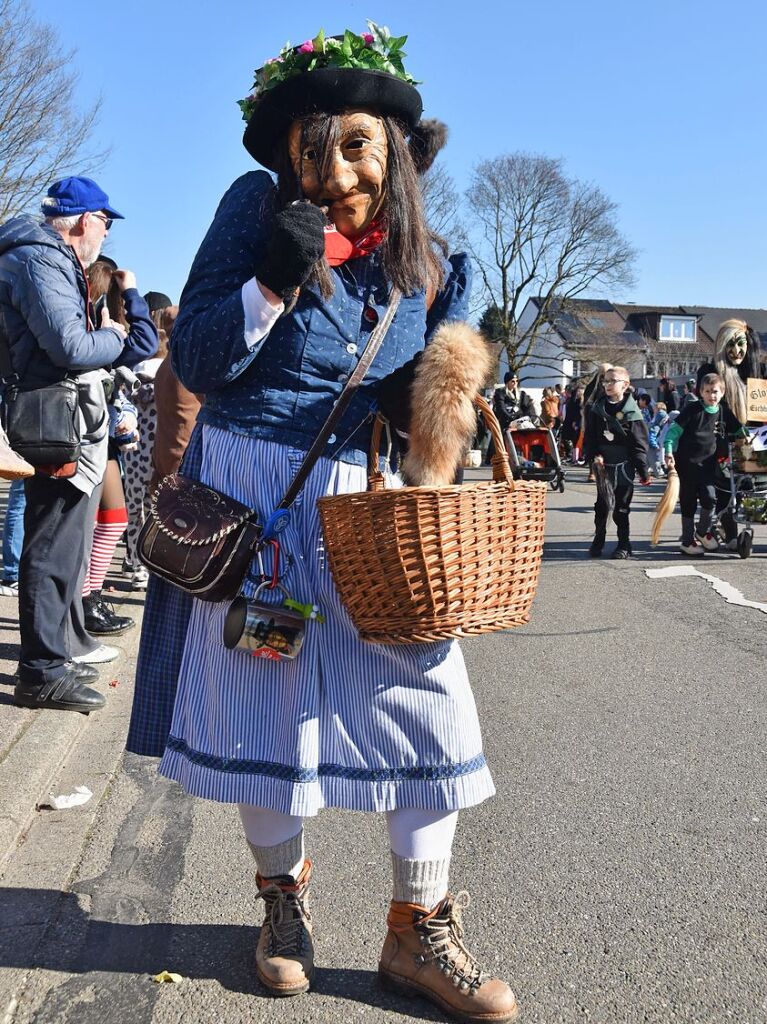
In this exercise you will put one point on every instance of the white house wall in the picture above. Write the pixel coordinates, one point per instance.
(550, 363)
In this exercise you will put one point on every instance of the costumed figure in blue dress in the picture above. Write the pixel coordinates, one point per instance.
(289, 282)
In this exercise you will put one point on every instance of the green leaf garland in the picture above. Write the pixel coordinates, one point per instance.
(376, 50)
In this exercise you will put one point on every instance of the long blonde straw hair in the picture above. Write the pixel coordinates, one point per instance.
(734, 386)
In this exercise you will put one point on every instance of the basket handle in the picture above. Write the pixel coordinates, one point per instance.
(500, 459)
(499, 462)
(375, 476)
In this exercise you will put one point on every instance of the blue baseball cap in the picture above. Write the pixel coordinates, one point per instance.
(73, 196)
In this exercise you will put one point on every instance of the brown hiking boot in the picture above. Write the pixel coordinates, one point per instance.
(423, 953)
(285, 953)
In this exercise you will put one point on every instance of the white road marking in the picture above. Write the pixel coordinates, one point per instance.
(724, 589)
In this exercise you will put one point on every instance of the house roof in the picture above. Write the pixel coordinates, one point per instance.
(713, 316)
(588, 323)
(627, 309)
(593, 323)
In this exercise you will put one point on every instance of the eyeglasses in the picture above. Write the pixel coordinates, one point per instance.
(108, 222)
(615, 380)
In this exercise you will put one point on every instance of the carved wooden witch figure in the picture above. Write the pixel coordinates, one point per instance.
(289, 282)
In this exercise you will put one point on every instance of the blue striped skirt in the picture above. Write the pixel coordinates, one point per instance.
(346, 724)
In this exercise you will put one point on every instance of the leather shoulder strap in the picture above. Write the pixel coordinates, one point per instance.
(354, 381)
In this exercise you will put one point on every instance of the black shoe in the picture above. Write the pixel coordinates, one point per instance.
(100, 617)
(595, 551)
(84, 673)
(66, 693)
(621, 553)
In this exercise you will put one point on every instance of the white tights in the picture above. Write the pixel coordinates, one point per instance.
(413, 833)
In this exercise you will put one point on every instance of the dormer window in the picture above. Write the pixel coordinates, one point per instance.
(677, 328)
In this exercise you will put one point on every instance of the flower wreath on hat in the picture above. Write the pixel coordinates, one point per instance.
(332, 73)
(376, 50)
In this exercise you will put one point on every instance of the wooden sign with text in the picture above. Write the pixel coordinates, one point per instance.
(756, 400)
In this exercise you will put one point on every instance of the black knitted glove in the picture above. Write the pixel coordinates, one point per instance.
(296, 244)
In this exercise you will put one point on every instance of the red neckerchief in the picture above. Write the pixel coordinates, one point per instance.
(339, 248)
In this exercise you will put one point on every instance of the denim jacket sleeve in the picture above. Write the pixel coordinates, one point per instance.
(208, 346)
(142, 338)
(451, 303)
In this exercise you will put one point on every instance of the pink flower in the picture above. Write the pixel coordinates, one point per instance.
(307, 47)
(275, 60)
(368, 38)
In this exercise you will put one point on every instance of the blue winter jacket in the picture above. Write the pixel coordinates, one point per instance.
(284, 390)
(43, 304)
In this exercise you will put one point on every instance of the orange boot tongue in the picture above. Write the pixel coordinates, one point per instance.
(405, 915)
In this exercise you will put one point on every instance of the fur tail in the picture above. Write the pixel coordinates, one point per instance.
(453, 368)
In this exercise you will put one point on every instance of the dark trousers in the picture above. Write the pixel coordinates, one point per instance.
(79, 640)
(51, 559)
(696, 486)
(624, 492)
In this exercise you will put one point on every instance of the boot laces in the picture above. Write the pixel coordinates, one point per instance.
(442, 936)
(287, 917)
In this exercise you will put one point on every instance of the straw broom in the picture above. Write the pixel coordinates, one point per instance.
(666, 505)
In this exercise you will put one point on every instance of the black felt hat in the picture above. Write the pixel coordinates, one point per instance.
(328, 90)
(157, 300)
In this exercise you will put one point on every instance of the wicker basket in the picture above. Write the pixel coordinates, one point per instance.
(419, 564)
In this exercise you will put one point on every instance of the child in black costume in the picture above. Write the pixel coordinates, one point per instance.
(699, 430)
(616, 437)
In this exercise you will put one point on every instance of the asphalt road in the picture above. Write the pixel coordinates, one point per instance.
(618, 875)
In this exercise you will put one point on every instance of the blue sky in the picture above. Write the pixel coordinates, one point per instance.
(660, 103)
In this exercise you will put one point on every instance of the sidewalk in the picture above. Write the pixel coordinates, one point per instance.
(45, 753)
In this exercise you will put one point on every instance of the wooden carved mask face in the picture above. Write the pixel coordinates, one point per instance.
(349, 180)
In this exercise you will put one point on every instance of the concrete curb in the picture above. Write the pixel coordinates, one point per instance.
(28, 770)
(39, 755)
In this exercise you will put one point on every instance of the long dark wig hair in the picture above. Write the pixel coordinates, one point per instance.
(410, 253)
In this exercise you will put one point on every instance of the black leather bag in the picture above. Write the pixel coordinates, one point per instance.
(43, 424)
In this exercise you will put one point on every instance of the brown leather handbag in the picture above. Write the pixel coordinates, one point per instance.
(198, 539)
(203, 541)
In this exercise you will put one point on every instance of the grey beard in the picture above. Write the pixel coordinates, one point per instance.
(89, 256)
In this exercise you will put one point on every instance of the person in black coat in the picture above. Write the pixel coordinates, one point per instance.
(509, 404)
(571, 428)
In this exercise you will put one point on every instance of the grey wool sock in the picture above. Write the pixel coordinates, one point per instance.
(420, 881)
(284, 859)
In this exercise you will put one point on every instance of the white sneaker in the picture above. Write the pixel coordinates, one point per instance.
(140, 578)
(694, 549)
(709, 541)
(9, 589)
(100, 656)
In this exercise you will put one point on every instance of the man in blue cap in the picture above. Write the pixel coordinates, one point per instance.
(47, 334)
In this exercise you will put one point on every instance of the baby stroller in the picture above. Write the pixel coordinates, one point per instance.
(534, 454)
(747, 472)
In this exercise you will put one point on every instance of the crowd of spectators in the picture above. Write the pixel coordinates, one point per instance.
(68, 313)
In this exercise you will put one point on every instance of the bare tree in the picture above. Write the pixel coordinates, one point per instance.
(536, 233)
(440, 201)
(42, 136)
